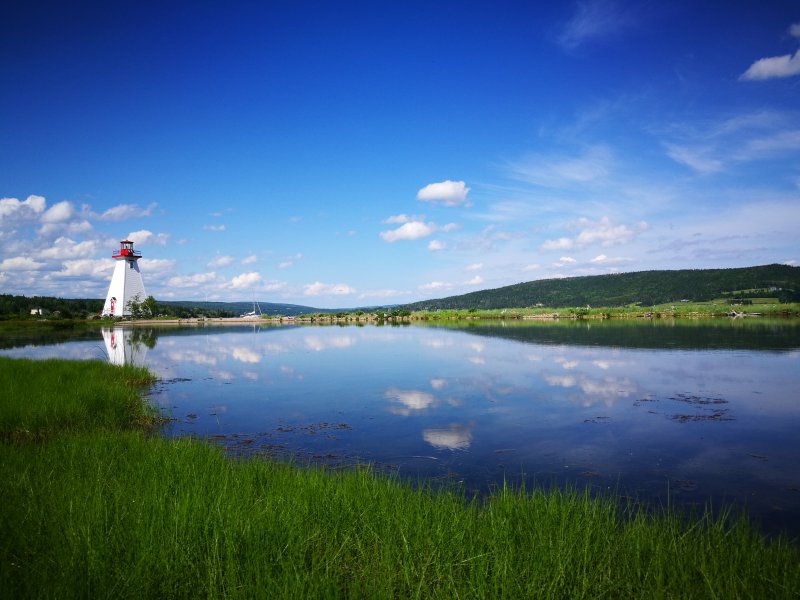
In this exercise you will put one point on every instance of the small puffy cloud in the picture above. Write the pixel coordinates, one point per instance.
(245, 280)
(773, 67)
(531, 267)
(477, 280)
(20, 263)
(564, 261)
(214, 227)
(144, 236)
(450, 227)
(397, 220)
(220, 261)
(448, 193)
(322, 289)
(249, 260)
(412, 230)
(561, 243)
(474, 267)
(603, 232)
(436, 245)
(126, 211)
(12, 206)
(58, 213)
(602, 259)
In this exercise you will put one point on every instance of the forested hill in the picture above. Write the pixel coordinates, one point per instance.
(644, 287)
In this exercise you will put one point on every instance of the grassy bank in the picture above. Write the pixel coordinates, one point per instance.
(678, 310)
(99, 508)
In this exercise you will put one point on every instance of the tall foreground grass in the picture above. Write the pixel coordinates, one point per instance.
(40, 398)
(111, 513)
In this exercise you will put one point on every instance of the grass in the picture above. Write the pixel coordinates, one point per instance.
(100, 508)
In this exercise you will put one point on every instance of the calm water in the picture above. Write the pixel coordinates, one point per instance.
(693, 411)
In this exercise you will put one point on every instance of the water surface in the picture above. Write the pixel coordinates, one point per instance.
(696, 412)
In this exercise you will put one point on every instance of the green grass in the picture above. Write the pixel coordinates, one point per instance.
(106, 510)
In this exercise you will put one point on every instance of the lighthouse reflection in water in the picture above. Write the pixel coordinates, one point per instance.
(128, 346)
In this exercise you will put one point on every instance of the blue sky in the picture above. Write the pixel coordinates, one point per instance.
(342, 154)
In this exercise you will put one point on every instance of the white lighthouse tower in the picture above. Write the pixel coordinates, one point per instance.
(126, 282)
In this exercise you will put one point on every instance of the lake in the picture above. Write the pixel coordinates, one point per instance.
(690, 412)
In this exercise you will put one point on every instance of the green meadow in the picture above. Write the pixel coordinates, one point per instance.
(97, 504)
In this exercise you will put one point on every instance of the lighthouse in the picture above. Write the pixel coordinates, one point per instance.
(126, 282)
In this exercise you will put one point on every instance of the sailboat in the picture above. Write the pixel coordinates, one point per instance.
(253, 314)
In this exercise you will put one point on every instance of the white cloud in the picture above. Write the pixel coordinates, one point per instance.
(564, 171)
(449, 227)
(697, 159)
(436, 245)
(58, 213)
(561, 243)
(598, 19)
(477, 280)
(249, 260)
(435, 285)
(64, 246)
(245, 280)
(144, 236)
(448, 193)
(531, 267)
(152, 266)
(773, 67)
(602, 259)
(86, 267)
(474, 267)
(214, 227)
(220, 261)
(20, 263)
(32, 204)
(126, 211)
(409, 231)
(321, 289)
(72, 228)
(397, 219)
(188, 281)
(564, 261)
(591, 232)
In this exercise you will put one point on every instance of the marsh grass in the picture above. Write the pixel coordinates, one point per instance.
(41, 398)
(108, 512)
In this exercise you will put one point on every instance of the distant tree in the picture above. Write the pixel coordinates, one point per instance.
(150, 307)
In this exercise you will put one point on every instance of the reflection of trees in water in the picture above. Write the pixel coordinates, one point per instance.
(146, 337)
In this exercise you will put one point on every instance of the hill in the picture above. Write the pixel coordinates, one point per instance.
(779, 282)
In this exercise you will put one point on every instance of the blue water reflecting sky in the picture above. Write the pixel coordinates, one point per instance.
(699, 413)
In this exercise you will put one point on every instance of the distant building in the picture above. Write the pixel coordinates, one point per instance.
(38, 310)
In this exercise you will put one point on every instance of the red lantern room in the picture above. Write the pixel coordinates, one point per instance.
(126, 251)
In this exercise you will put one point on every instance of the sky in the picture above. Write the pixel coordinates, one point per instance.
(346, 154)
